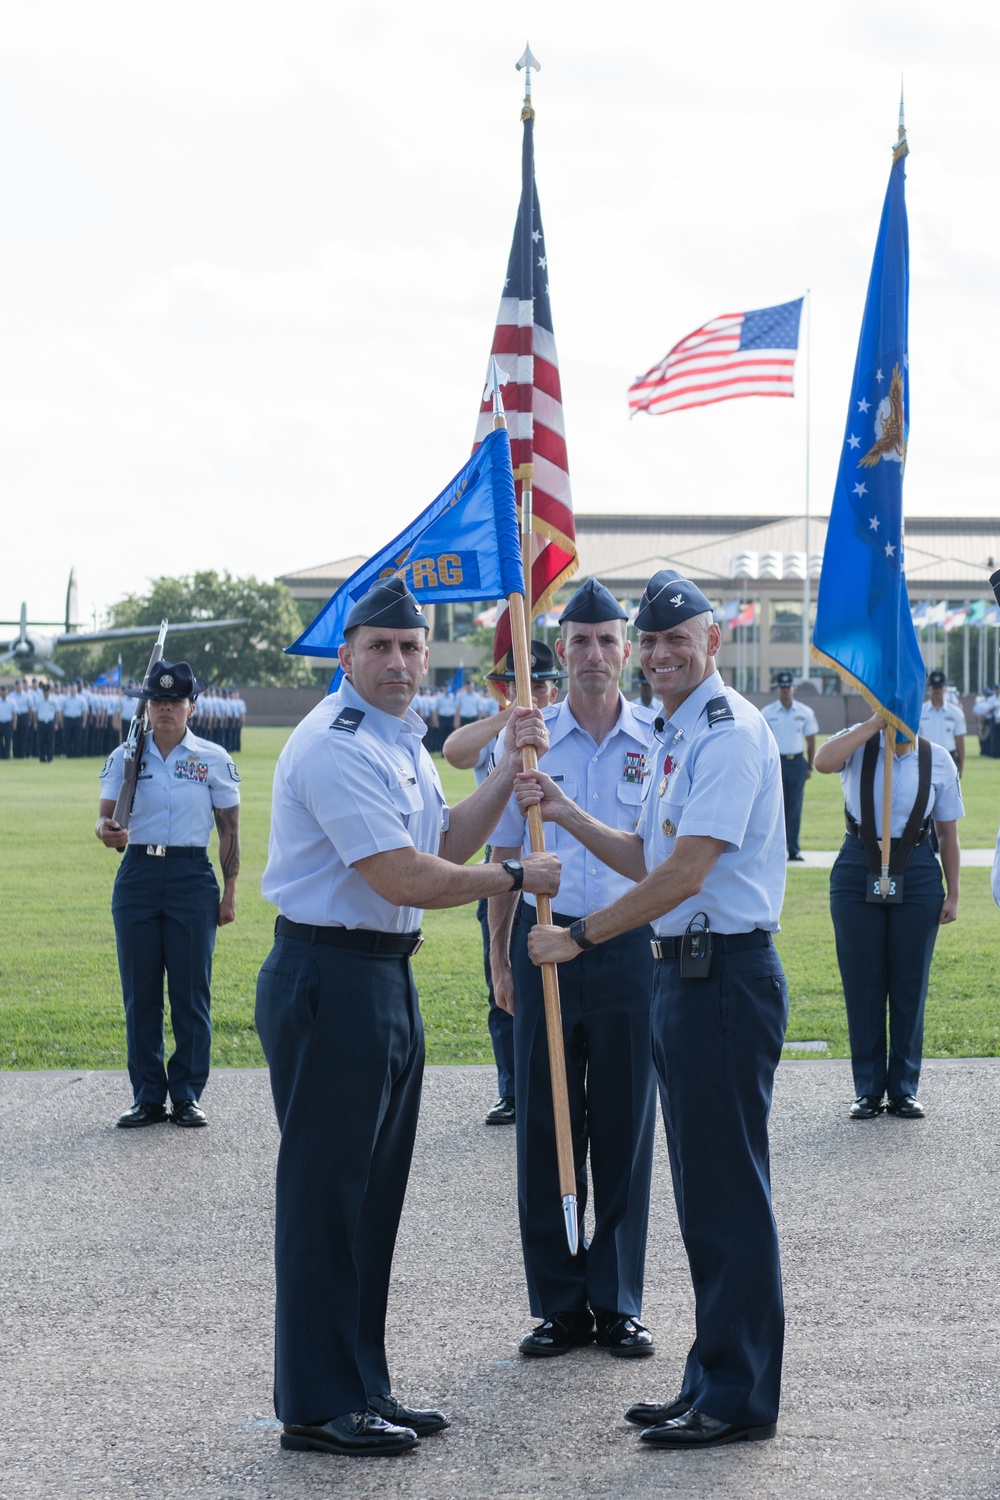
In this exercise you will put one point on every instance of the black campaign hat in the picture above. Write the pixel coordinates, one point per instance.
(171, 680)
(388, 603)
(668, 599)
(591, 604)
(544, 667)
(937, 679)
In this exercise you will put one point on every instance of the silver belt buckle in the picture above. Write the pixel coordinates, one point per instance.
(657, 947)
(417, 945)
(157, 849)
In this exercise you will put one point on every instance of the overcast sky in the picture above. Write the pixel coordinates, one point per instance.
(253, 254)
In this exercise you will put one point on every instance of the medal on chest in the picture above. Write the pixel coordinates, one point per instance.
(668, 828)
(669, 765)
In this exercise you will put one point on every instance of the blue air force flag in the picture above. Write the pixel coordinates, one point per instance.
(864, 628)
(465, 545)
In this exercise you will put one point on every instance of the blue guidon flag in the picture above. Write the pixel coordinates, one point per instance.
(737, 354)
(864, 628)
(465, 545)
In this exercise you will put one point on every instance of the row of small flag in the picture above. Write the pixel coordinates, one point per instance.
(927, 613)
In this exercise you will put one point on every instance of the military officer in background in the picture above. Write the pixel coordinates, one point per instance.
(597, 752)
(795, 729)
(943, 722)
(166, 905)
(471, 748)
(708, 859)
(8, 721)
(74, 713)
(361, 840)
(21, 703)
(46, 716)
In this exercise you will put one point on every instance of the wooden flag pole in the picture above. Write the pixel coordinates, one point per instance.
(516, 606)
(889, 756)
(550, 977)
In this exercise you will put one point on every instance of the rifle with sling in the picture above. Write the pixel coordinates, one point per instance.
(136, 739)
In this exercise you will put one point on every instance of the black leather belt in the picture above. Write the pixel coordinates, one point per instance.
(169, 851)
(725, 942)
(402, 944)
(796, 756)
(854, 832)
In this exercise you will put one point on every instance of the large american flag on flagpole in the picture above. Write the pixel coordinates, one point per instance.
(525, 348)
(738, 354)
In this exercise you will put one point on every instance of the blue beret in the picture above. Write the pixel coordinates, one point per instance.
(388, 603)
(668, 599)
(591, 604)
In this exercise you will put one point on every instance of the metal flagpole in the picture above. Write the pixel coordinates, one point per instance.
(806, 581)
(550, 976)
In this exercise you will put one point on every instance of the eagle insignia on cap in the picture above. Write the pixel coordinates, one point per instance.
(677, 600)
(166, 680)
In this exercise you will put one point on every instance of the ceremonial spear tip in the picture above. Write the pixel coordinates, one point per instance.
(572, 1224)
(527, 61)
(902, 122)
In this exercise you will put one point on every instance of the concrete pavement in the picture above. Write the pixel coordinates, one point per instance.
(136, 1305)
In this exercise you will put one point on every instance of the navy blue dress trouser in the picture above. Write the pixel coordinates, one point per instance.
(344, 1042)
(794, 776)
(499, 1022)
(885, 953)
(166, 916)
(605, 999)
(717, 1043)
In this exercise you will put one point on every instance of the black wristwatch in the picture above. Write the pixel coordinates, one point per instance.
(578, 932)
(515, 870)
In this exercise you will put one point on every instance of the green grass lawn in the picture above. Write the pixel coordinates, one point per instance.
(60, 1002)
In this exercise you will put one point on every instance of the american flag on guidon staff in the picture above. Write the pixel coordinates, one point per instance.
(525, 348)
(739, 354)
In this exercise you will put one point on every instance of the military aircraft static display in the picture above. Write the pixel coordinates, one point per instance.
(32, 648)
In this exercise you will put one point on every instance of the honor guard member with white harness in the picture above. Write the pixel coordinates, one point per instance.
(361, 840)
(795, 729)
(472, 747)
(166, 904)
(597, 749)
(885, 947)
(710, 837)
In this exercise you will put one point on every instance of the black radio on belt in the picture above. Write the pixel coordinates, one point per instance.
(696, 949)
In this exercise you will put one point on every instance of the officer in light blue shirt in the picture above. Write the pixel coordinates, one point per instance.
(597, 752)
(166, 905)
(361, 841)
(46, 714)
(8, 715)
(709, 859)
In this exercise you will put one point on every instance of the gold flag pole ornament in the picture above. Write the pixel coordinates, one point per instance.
(536, 835)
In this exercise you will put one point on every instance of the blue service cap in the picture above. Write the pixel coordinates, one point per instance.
(668, 599)
(591, 604)
(783, 679)
(388, 603)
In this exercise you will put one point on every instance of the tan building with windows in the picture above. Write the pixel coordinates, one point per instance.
(755, 563)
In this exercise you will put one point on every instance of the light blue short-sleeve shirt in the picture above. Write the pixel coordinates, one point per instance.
(717, 774)
(944, 800)
(352, 781)
(175, 796)
(606, 781)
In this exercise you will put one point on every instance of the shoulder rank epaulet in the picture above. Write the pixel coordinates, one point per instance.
(717, 710)
(348, 720)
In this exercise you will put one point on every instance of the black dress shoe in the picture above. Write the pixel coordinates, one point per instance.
(560, 1333)
(906, 1106)
(696, 1430)
(797, 859)
(623, 1335)
(142, 1113)
(361, 1434)
(502, 1112)
(866, 1107)
(422, 1421)
(649, 1414)
(187, 1112)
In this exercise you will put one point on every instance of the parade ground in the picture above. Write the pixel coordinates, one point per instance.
(136, 1299)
